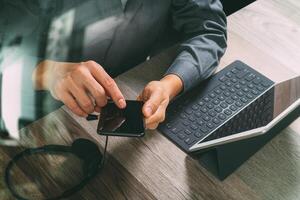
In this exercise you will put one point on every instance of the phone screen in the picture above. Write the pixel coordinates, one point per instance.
(126, 122)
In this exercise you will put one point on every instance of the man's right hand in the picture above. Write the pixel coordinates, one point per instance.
(83, 87)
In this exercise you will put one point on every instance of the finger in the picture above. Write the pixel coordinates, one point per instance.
(96, 90)
(97, 109)
(152, 104)
(158, 116)
(70, 102)
(152, 126)
(81, 97)
(108, 83)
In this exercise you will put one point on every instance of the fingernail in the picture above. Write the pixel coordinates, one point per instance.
(122, 103)
(97, 109)
(148, 111)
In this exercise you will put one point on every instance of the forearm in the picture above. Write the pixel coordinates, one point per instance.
(203, 25)
(172, 84)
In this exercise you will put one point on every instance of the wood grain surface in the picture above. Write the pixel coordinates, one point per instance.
(266, 36)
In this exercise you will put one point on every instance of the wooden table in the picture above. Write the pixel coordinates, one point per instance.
(265, 35)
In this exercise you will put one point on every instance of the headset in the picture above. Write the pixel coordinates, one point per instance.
(84, 149)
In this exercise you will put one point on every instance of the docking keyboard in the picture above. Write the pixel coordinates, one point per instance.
(235, 99)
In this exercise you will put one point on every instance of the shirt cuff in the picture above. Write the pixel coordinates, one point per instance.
(186, 70)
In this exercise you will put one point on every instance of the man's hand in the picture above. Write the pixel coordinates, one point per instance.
(157, 95)
(83, 87)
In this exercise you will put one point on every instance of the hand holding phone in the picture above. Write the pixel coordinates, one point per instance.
(127, 122)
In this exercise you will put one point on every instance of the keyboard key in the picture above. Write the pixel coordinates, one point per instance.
(216, 121)
(239, 67)
(198, 135)
(216, 102)
(229, 84)
(223, 105)
(243, 82)
(249, 96)
(189, 141)
(229, 75)
(245, 89)
(238, 104)
(210, 106)
(181, 136)
(200, 122)
(200, 103)
(186, 123)
(228, 112)
(250, 77)
(234, 80)
(212, 95)
(223, 87)
(212, 113)
(234, 97)
(204, 130)
(226, 94)
(195, 107)
(175, 130)
(255, 92)
(260, 88)
(194, 127)
(221, 98)
(187, 132)
(223, 78)
(240, 93)
(206, 99)
(229, 101)
(233, 108)
(192, 119)
(244, 100)
(266, 84)
(242, 74)
(217, 91)
(237, 86)
(210, 125)
(204, 110)
(232, 90)
(234, 71)
(222, 116)
(169, 125)
(198, 114)
(257, 80)
(251, 86)
(218, 109)
(206, 118)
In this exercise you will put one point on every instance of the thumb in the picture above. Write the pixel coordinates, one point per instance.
(152, 104)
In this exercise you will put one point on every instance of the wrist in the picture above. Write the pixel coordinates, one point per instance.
(41, 74)
(172, 84)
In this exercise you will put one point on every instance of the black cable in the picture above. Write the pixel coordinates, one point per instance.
(104, 152)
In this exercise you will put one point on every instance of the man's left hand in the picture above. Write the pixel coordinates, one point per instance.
(157, 95)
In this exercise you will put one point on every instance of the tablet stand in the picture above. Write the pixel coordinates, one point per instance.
(225, 159)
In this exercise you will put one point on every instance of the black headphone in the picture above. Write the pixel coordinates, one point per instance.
(84, 149)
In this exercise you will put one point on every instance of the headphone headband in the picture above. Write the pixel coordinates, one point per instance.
(84, 149)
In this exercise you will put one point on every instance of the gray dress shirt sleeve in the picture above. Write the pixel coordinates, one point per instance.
(203, 24)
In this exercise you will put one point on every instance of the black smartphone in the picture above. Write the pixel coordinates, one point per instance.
(127, 122)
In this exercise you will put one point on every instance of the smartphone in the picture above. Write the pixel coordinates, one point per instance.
(127, 122)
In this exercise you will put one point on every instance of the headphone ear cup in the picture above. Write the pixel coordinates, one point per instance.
(86, 149)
